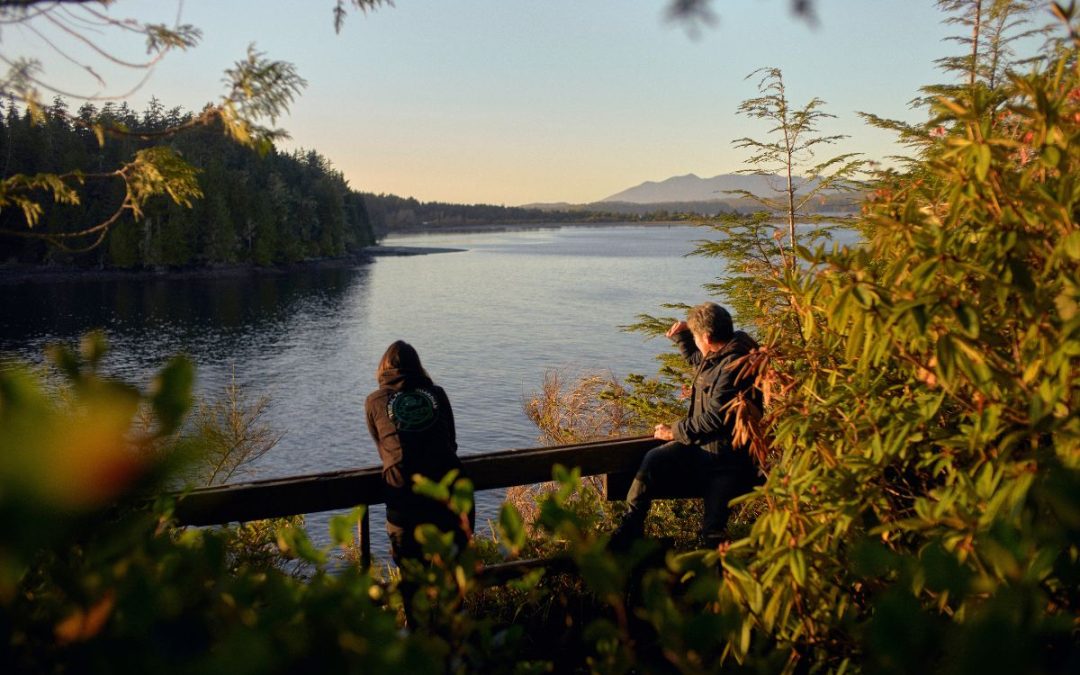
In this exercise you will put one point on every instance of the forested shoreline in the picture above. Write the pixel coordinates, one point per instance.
(391, 214)
(262, 210)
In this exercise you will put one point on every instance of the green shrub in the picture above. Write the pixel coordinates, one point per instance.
(923, 502)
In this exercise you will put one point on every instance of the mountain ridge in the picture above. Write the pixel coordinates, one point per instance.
(692, 188)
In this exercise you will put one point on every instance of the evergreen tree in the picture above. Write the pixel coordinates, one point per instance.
(251, 200)
(791, 149)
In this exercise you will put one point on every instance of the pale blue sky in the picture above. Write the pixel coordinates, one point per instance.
(515, 101)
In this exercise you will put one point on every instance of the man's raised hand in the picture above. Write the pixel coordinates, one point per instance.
(677, 327)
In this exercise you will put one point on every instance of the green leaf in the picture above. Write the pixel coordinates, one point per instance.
(294, 541)
(429, 488)
(92, 347)
(946, 357)
(863, 295)
(872, 559)
(171, 395)
(434, 541)
(512, 528)
(343, 526)
(925, 271)
(461, 494)
(968, 318)
(1051, 156)
(528, 581)
(66, 361)
(921, 317)
(1071, 245)
(982, 161)
(798, 566)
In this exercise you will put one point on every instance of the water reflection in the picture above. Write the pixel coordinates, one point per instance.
(147, 319)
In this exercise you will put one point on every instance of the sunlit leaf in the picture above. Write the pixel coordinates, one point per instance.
(512, 528)
(171, 393)
(343, 526)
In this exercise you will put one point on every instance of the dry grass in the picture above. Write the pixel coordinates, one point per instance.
(590, 408)
(234, 433)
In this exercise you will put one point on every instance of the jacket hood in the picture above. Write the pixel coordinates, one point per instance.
(397, 379)
(740, 343)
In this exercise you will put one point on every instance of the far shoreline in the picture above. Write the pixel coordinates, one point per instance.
(12, 275)
(422, 230)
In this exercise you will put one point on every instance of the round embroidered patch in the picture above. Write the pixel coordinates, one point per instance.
(412, 410)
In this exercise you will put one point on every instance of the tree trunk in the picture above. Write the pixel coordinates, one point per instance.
(975, 44)
(791, 209)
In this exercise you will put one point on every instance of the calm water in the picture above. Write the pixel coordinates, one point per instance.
(488, 322)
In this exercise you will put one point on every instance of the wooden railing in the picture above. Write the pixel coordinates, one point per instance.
(616, 459)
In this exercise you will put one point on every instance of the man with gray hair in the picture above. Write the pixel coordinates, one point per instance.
(701, 451)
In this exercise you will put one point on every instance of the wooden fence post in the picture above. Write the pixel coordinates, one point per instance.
(364, 527)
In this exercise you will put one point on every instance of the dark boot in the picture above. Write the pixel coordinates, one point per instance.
(630, 529)
(632, 526)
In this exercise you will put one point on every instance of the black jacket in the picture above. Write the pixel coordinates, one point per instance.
(411, 421)
(715, 384)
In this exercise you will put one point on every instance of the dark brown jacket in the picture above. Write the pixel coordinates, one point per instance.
(411, 421)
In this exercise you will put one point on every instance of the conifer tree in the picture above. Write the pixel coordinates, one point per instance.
(789, 150)
(257, 89)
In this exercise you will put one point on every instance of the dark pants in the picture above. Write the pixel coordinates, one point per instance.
(403, 544)
(717, 479)
(401, 522)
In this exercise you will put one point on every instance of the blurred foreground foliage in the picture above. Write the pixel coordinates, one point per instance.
(95, 578)
(922, 507)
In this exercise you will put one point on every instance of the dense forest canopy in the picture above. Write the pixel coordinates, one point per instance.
(254, 208)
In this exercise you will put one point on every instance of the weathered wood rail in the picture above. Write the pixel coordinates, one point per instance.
(274, 498)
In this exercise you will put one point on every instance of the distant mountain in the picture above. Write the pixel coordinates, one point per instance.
(604, 209)
(691, 188)
(691, 194)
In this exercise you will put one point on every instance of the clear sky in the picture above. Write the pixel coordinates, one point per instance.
(520, 101)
